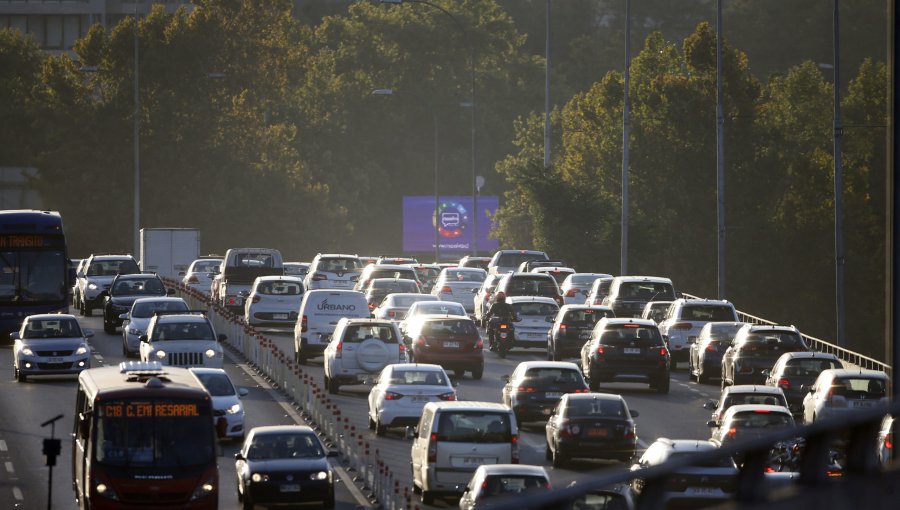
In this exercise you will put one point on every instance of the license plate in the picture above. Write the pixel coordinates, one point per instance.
(290, 488)
(598, 432)
(552, 395)
(280, 316)
(584, 335)
(856, 403)
(476, 461)
(420, 398)
(451, 345)
(54, 360)
(632, 350)
(702, 491)
(339, 283)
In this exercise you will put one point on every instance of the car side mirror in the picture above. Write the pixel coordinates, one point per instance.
(243, 392)
(124, 317)
(14, 335)
(80, 274)
(504, 378)
(222, 337)
(144, 339)
(455, 384)
(182, 273)
(244, 293)
(239, 456)
(710, 405)
(170, 291)
(711, 424)
(88, 333)
(691, 341)
(634, 414)
(411, 433)
(764, 372)
(333, 453)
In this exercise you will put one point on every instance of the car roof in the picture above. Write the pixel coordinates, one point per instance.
(136, 276)
(810, 355)
(416, 366)
(615, 321)
(281, 429)
(203, 370)
(275, 278)
(553, 269)
(754, 388)
(417, 295)
(388, 266)
(753, 328)
(688, 444)
(548, 364)
(701, 302)
(594, 396)
(336, 256)
(653, 279)
(468, 405)
(50, 316)
(160, 299)
(375, 281)
(112, 257)
(513, 469)
(566, 308)
(366, 320)
(530, 299)
(520, 274)
(438, 316)
(181, 317)
(859, 372)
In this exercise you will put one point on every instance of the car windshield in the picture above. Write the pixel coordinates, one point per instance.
(474, 427)
(206, 266)
(138, 287)
(708, 313)
(408, 274)
(451, 327)
(256, 260)
(295, 269)
(724, 331)
(419, 377)
(721, 462)
(218, 385)
(182, 331)
(609, 501)
(112, 267)
(515, 259)
(535, 308)
(858, 387)
(360, 333)
(465, 276)
(582, 279)
(595, 408)
(761, 420)
(532, 286)
(284, 446)
(147, 309)
(383, 288)
(627, 334)
(754, 398)
(279, 288)
(772, 341)
(500, 485)
(407, 301)
(646, 291)
(51, 328)
(809, 367)
(338, 265)
(587, 317)
(443, 308)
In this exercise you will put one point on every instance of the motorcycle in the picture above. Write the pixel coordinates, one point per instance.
(501, 334)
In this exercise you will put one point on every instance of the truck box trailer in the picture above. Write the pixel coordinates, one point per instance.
(169, 251)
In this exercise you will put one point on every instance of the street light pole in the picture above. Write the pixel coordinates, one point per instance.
(720, 157)
(137, 142)
(626, 134)
(547, 90)
(838, 185)
(437, 205)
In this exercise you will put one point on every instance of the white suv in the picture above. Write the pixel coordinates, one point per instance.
(182, 340)
(359, 350)
(685, 319)
(96, 275)
(332, 271)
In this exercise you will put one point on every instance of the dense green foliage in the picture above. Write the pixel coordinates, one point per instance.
(259, 126)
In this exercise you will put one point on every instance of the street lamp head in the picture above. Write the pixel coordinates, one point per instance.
(383, 92)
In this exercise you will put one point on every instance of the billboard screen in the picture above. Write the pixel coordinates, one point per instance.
(453, 221)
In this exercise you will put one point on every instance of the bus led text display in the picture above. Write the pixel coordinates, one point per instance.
(149, 409)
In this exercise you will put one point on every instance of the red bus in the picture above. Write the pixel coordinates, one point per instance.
(143, 438)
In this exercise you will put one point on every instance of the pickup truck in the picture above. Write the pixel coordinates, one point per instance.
(241, 266)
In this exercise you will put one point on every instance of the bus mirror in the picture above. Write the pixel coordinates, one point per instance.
(14, 335)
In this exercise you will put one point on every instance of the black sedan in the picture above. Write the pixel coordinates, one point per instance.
(124, 290)
(284, 464)
(591, 425)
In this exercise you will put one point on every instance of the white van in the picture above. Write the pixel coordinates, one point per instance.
(470, 434)
(320, 311)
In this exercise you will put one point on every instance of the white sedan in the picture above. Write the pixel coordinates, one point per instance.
(228, 412)
(274, 301)
(401, 392)
(459, 284)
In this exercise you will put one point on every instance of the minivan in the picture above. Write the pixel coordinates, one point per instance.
(453, 438)
(320, 311)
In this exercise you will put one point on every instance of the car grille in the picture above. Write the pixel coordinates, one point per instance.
(154, 497)
(54, 366)
(53, 353)
(182, 359)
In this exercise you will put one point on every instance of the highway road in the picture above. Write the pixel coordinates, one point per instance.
(24, 406)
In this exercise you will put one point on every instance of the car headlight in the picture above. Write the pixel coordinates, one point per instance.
(27, 352)
(210, 353)
(92, 286)
(321, 475)
(106, 491)
(235, 409)
(204, 489)
(161, 354)
(81, 350)
(135, 331)
(259, 477)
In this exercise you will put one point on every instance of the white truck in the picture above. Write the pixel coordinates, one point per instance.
(169, 251)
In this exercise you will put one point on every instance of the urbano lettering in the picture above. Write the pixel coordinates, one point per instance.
(325, 305)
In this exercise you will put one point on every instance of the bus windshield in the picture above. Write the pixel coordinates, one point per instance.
(33, 276)
(157, 433)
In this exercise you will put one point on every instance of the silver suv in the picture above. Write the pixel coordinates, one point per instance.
(333, 271)
(95, 277)
(359, 350)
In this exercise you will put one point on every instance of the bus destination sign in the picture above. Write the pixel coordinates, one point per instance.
(22, 241)
(149, 409)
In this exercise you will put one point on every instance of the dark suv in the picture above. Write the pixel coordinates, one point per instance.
(528, 284)
(754, 351)
(123, 290)
(625, 350)
(451, 342)
(628, 294)
(572, 328)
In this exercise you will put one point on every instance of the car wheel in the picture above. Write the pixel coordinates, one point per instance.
(247, 503)
(86, 310)
(371, 423)
(702, 378)
(593, 385)
(380, 430)
(332, 386)
(558, 460)
(478, 373)
(548, 452)
(329, 502)
(427, 497)
(459, 373)
(125, 349)
(662, 385)
(416, 488)
(109, 327)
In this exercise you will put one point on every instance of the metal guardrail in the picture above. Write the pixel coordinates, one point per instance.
(854, 358)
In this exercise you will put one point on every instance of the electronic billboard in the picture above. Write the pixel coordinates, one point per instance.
(453, 221)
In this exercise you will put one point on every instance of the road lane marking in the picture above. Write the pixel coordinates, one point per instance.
(294, 415)
(3, 447)
(10, 468)
(17, 494)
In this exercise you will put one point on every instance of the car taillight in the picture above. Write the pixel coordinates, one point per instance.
(732, 432)
(303, 328)
(629, 433)
(571, 293)
(402, 351)
(447, 396)
(784, 383)
(663, 351)
(392, 314)
(371, 306)
(515, 450)
(390, 395)
(682, 325)
(317, 277)
(600, 351)
(432, 448)
(421, 341)
(525, 389)
(504, 326)
(889, 441)
(193, 279)
(479, 345)
(563, 326)
(255, 298)
(338, 349)
(446, 290)
(582, 390)
(710, 348)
